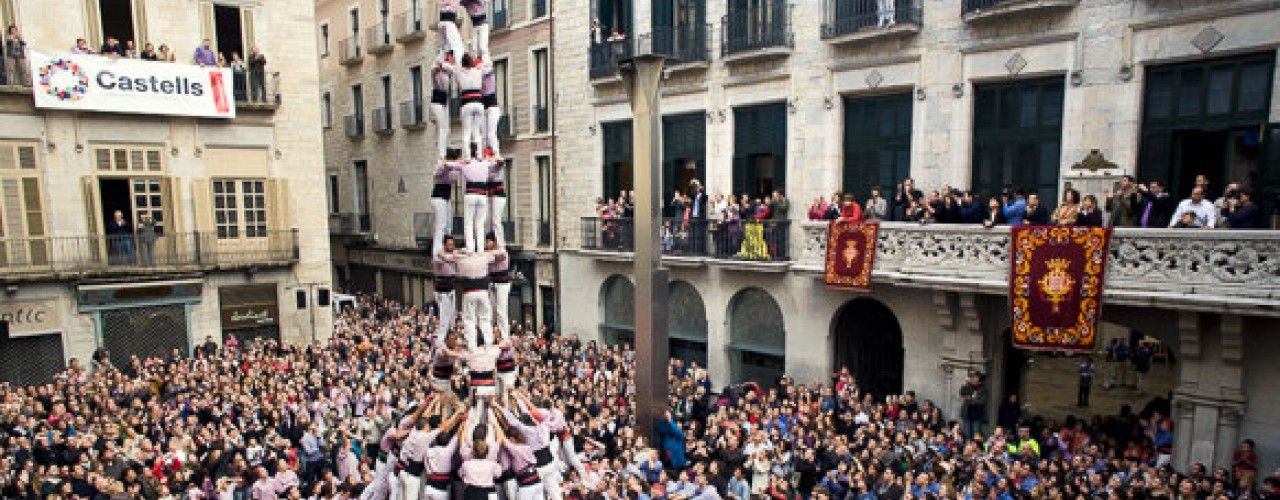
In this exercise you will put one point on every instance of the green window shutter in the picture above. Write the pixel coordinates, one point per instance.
(739, 175)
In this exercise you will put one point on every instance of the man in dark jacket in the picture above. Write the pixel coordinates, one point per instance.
(1037, 215)
(1157, 205)
(1124, 203)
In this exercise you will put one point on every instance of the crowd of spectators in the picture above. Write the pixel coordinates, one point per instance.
(261, 420)
(1131, 204)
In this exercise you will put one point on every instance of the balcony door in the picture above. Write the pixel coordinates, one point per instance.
(1017, 137)
(877, 143)
(760, 150)
(678, 27)
(132, 197)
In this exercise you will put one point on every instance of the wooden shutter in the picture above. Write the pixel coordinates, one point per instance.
(739, 174)
(278, 223)
(34, 206)
(102, 159)
(95, 245)
(207, 28)
(202, 200)
(173, 213)
(93, 24)
(26, 158)
(246, 26)
(139, 24)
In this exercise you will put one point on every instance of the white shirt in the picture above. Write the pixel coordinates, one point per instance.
(1205, 212)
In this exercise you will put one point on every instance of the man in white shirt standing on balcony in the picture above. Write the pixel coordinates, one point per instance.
(1206, 214)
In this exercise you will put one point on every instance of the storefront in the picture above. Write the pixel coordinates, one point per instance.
(32, 349)
(250, 312)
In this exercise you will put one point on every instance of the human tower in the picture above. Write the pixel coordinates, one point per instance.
(485, 439)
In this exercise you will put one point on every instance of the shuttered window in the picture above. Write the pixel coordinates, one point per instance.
(128, 159)
(240, 208)
(22, 218)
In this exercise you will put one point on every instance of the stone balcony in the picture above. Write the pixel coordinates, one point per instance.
(1217, 271)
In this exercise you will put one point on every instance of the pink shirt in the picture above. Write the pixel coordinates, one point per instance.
(439, 459)
(483, 358)
(499, 263)
(476, 170)
(516, 457)
(480, 472)
(444, 265)
(443, 174)
(474, 265)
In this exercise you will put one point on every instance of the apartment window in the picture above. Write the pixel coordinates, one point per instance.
(324, 40)
(355, 28)
(545, 199)
(415, 80)
(116, 20)
(335, 204)
(541, 87)
(22, 224)
(240, 208)
(384, 13)
(326, 110)
(500, 80)
(362, 186)
(386, 92)
(357, 103)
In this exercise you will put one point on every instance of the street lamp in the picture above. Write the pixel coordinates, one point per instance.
(642, 75)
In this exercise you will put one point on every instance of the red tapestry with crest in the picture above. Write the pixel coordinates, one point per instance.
(851, 254)
(1055, 286)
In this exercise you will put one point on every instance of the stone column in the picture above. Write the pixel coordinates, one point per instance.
(962, 347)
(1209, 400)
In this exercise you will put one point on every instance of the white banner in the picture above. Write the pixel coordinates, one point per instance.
(97, 83)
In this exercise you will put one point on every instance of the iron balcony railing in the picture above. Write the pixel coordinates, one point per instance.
(507, 124)
(14, 70)
(378, 38)
(842, 17)
(766, 26)
(412, 114)
(382, 121)
(133, 253)
(410, 26)
(354, 126)
(680, 44)
(967, 6)
(541, 118)
(766, 240)
(605, 57)
(256, 88)
(544, 232)
(349, 51)
(501, 17)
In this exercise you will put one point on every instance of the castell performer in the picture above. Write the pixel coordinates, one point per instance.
(452, 41)
(413, 452)
(445, 355)
(507, 369)
(475, 202)
(481, 368)
(480, 467)
(492, 112)
(539, 440)
(500, 276)
(479, 26)
(497, 197)
(469, 76)
(443, 179)
(519, 462)
(477, 312)
(444, 266)
(439, 463)
(386, 471)
(440, 82)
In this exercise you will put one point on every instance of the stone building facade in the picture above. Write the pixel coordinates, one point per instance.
(238, 250)
(814, 97)
(379, 154)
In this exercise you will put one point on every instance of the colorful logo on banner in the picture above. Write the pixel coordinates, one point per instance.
(851, 254)
(1055, 286)
(64, 80)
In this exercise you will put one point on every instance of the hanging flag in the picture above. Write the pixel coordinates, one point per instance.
(1055, 286)
(851, 254)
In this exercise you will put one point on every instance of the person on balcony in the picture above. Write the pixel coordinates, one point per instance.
(850, 211)
(1067, 213)
(1089, 215)
(876, 208)
(15, 57)
(817, 209)
(257, 76)
(994, 216)
(120, 239)
(146, 240)
(238, 73)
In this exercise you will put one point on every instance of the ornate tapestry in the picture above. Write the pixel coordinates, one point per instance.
(851, 254)
(1055, 286)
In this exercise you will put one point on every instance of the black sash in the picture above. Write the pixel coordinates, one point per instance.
(414, 468)
(543, 455)
(474, 284)
(483, 379)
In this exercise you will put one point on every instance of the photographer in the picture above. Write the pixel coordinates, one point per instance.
(1239, 211)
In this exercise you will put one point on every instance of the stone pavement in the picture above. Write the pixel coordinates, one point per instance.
(1050, 388)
